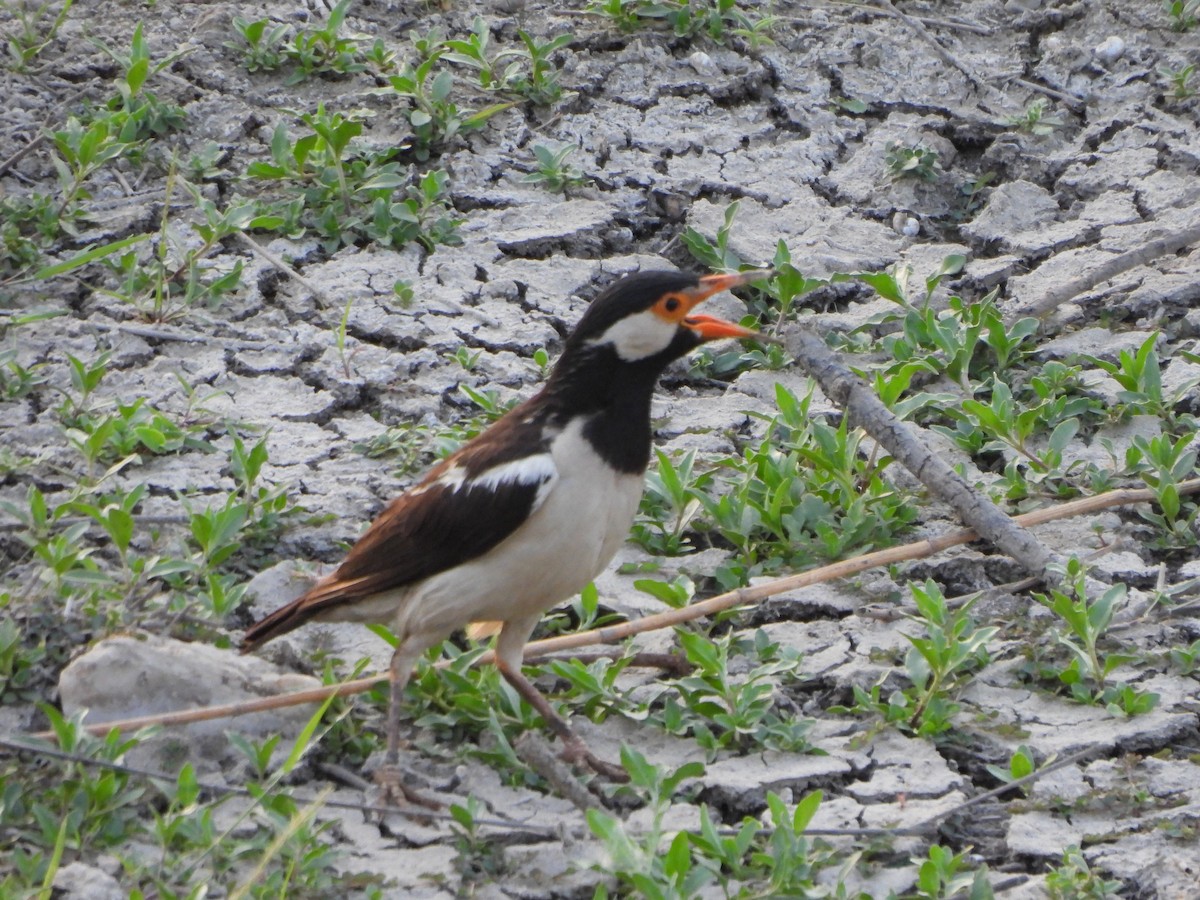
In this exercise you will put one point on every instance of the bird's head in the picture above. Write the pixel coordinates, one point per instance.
(649, 316)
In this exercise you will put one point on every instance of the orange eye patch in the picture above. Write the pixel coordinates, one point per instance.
(672, 307)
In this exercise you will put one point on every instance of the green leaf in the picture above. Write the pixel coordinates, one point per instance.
(87, 256)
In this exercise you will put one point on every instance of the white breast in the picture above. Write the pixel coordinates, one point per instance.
(565, 544)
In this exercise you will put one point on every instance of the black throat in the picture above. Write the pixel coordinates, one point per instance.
(614, 396)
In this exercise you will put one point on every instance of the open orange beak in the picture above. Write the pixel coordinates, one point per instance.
(710, 328)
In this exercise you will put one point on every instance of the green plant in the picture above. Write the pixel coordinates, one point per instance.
(940, 661)
(175, 279)
(465, 358)
(806, 491)
(435, 119)
(904, 161)
(1186, 659)
(943, 874)
(1183, 13)
(25, 45)
(324, 51)
(716, 19)
(139, 113)
(527, 71)
(479, 858)
(718, 256)
(1163, 463)
(749, 861)
(80, 152)
(637, 860)
(1181, 81)
(261, 45)
(1075, 880)
(18, 660)
(1035, 120)
(669, 504)
(1086, 621)
(347, 195)
(1140, 377)
(553, 171)
(17, 380)
(1020, 765)
(722, 711)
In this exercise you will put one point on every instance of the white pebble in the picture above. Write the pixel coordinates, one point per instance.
(703, 64)
(1110, 50)
(903, 223)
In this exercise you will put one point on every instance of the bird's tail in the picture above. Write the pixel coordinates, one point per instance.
(287, 618)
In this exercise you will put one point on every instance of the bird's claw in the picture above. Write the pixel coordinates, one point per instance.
(393, 790)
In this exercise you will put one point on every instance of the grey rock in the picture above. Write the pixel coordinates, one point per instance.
(80, 881)
(127, 676)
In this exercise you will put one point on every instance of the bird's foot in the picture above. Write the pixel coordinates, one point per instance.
(392, 789)
(576, 752)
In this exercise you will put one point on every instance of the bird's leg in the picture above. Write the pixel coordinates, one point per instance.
(509, 654)
(389, 776)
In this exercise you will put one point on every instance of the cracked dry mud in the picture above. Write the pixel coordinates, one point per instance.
(670, 131)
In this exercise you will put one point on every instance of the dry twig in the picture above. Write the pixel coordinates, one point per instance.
(613, 634)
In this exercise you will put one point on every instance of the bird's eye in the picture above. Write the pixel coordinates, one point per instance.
(671, 304)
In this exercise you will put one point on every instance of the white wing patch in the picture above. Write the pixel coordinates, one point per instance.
(538, 470)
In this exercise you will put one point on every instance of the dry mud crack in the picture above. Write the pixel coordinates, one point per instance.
(1038, 140)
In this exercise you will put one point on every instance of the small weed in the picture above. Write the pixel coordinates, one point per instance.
(554, 172)
(16, 380)
(904, 161)
(18, 660)
(465, 358)
(1035, 119)
(80, 152)
(435, 119)
(261, 45)
(1020, 765)
(324, 51)
(715, 19)
(1086, 621)
(807, 491)
(139, 113)
(1075, 880)
(348, 195)
(720, 256)
(777, 860)
(637, 860)
(34, 35)
(942, 874)
(479, 859)
(1139, 374)
(1184, 14)
(940, 662)
(723, 712)
(1186, 659)
(669, 504)
(1163, 463)
(315, 51)
(1181, 81)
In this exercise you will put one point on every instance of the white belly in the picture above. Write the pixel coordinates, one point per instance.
(565, 544)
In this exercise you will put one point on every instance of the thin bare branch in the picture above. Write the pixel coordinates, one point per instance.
(616, 633)
(1110, 268)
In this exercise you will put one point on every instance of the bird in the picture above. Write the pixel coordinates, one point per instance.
(530, 511)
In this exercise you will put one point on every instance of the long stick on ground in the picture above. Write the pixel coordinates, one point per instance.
(900, 439)
(668, 619)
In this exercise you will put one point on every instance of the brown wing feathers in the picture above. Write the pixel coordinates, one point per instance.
(431, 528)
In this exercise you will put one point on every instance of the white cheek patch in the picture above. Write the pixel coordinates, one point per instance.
(639, 336)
